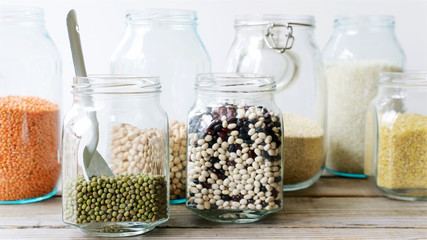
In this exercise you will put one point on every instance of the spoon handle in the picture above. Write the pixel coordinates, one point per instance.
(74, 36)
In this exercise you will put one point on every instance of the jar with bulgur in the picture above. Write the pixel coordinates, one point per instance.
(284, 46)
(30, 99)
(133, 140)
(396, 136)
(235, 171)
(165, 43)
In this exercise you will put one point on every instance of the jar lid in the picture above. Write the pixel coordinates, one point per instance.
(265, 19)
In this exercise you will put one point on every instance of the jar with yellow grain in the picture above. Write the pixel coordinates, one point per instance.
(30, 98)
(396, 136)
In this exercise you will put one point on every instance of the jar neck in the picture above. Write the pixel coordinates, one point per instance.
(365, 23)
(165, 18)
(21, 16)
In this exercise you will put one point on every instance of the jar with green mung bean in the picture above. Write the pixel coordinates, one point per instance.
(133, 196)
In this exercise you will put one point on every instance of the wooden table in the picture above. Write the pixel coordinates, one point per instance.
(332, 208)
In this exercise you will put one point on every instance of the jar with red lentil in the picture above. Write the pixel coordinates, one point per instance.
(235, 151)
(133, 140)
(30, 98)
(396, 136)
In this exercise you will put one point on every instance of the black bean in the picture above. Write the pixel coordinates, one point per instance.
(214, 206)
(213, 160)
(265, 154)
(213, 124)
(277, 179)
(243, 135)
(225, 197)
(196, 181)
(251, 201)
(232, 148)
(259, 129)
(264, 204)
(263, 188)
(248, 141)
(217, 127)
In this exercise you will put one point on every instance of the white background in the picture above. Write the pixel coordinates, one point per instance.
(102, 24)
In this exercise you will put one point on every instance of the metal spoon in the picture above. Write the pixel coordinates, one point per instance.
(93, 163)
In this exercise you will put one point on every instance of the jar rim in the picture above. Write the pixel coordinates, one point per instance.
(161, 15)
(265, 19)
(403, 79)
(228, 82)
(116, 84)
(20, 14)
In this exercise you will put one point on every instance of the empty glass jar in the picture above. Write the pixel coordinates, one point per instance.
(165, 43)
(284, 46)
(123, 118)
(234, 148)
(359, 48)
(30, 100)
(396, 136)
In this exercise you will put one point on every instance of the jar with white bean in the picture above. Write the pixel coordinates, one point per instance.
(234, 149)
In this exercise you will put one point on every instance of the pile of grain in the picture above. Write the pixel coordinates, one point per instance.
(29, 142)
(351, 87)
(304, 148)
(402, 156)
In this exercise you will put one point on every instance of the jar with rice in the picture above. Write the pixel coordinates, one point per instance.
(359, 48)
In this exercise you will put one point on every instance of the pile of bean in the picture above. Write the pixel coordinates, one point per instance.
(29, 143)
(135, 150)
(234, 158)
(123, 198)
(177, 159)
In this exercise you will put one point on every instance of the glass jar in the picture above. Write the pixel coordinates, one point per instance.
(284, 46)
(234, 147)
(133, 133)
(396, 136)
(165, 43)
(30, 100)
(360, 47)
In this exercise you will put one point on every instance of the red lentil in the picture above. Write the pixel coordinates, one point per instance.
(29, 143)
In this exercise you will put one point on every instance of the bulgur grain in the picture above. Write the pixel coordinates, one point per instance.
(304, 148)
(29, 143)
(402, 156)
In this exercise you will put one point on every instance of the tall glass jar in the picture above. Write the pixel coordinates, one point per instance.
(30, 99)
(165, 43)
(234, 147)
(284, 46)
(396, 136)
(133, 133)
(360, 47)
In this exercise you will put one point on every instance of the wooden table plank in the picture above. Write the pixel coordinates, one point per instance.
(337, 187)
(238, 233)
(333, 208)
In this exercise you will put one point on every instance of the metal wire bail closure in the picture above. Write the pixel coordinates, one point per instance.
(273, 37)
